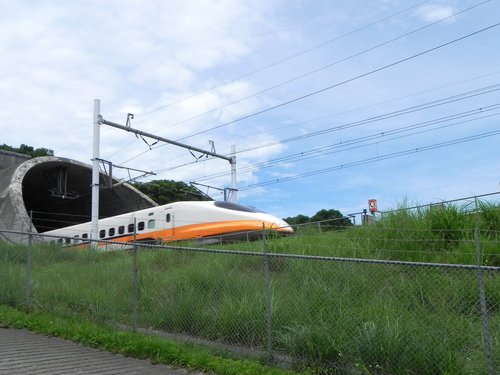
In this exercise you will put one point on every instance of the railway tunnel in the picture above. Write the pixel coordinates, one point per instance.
(50, 192)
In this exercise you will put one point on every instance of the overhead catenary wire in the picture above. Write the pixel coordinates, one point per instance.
(347, 145)
(323, 67)
(392, 64)
(374, 159)
(356, 109)
(302, 75)
(287, 58)
(405, 111)
(354, 143)
(268, 130)
(327, 88)
(412, 109)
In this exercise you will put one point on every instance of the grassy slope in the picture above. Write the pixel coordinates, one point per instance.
(334, 316)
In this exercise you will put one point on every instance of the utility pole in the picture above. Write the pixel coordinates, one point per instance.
(234, 190)
(95, 171)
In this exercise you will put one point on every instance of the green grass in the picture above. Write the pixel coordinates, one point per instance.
(334, 317)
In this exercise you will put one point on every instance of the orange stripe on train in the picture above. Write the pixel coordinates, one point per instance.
(186, 232)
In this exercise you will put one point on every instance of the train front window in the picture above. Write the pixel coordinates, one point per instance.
(234, 206)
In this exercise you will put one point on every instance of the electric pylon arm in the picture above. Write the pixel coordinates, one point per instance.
(230, 159)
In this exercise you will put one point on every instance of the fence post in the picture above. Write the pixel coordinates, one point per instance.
(484, 308)
(268, 307)
(134, 279)
(28, 263)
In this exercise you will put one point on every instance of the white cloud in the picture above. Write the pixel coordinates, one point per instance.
(434, 12)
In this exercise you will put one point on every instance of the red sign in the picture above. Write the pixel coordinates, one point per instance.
(372, 205)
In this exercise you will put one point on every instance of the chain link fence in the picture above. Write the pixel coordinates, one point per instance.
(268, 300)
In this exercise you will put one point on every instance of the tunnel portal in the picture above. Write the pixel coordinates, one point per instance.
(56, 192)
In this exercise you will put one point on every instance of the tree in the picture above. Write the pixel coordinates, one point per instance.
(299, 219)
(334, 218)
(331, 219)
(168, 191)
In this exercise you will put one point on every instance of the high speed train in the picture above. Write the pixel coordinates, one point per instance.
(174, 222)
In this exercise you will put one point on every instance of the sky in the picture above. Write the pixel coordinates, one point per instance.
(328, 104)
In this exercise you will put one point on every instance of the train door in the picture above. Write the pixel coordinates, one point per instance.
(170, 222)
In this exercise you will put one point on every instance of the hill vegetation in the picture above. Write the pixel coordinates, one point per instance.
(169, 191)
(28, 150)
(334, 219)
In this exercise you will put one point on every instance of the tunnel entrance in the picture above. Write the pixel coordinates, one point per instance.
(57, 193)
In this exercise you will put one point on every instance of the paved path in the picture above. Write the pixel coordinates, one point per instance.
(23, 352)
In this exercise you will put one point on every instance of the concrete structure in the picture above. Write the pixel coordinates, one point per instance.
(58, 193)
(26, 353)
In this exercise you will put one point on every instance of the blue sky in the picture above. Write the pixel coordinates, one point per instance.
(186, 67)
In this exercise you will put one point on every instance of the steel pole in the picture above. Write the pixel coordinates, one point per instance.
(95, 171)
(234, 192)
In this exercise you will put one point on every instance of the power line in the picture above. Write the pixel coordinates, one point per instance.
(375, 159)
(385, 116)
(285, 58)
(343, 82)
(314, 71)
(343, 146)
(434, 103)
(321, 68)
(258, 70)
(357, 109)
(420, 107)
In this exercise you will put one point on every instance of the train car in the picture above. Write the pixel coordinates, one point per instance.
(175, 222)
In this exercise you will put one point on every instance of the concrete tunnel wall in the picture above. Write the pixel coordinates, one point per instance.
(32, 186)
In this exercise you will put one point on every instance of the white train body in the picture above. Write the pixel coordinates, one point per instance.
(174, 222)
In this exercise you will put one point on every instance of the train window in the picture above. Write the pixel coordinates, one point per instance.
(121, 229)
(67, 240)
(131, 228)
(140, 225)
(76, 238)
(151, 224)
(111, 232)
(85, 235)
(168, 218)
(234, 206)
(102, 233)
(60, 241)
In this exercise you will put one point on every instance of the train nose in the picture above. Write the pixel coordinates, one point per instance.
(284, 227)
